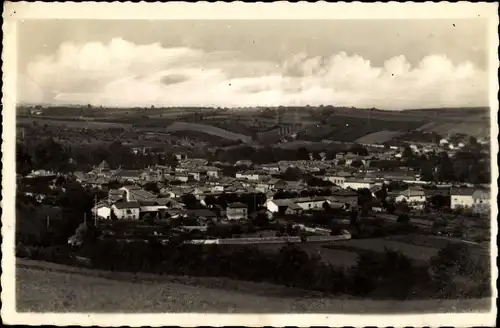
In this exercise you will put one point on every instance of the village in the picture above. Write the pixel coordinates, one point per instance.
(194, 195)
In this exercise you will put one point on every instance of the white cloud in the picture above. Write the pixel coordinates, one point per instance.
(121, 73)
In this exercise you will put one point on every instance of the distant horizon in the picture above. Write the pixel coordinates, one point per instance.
(245, 107)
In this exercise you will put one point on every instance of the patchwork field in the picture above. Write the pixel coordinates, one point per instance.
(378, 137)
(73, 124)
(181, 126)
(46, 287)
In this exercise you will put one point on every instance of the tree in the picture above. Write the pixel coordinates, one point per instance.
(357, 163)
(261, 220)
(403, 218)
(292, 174)
(359, 150)
(152, 187)
(190, 201)
(407, 153)
(326, 206)
(210, 200)
(302, 154)
(148, 218)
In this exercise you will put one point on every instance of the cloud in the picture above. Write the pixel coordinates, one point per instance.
(121, 73)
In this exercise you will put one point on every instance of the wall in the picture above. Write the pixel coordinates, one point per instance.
(236, 213)
(122, 213)
(272, 207)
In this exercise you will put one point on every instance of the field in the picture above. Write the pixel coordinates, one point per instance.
(378, 137)
(312, 124)
(337, 257)
(181, 126)
(46, 287)
(419, 253)
(75, 123)
(476, 129)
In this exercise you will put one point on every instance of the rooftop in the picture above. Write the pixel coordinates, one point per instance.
(236, 205)
(123, 205)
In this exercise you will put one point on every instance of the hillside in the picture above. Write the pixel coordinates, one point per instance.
(208, 129)
(378, 137)
(47, 287)
(311, 123)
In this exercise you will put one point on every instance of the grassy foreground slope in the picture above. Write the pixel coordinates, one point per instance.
(47, 287)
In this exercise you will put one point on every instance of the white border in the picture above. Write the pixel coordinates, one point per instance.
(279, 10)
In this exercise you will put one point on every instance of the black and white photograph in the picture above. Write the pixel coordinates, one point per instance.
(207, 160)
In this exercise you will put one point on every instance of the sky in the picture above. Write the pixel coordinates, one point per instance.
(387, 64)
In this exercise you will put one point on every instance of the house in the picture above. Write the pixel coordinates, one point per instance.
(481, 201)
(412, 196)
(347, 197)
(297, 205)
(181, 156)
(102, 168)
(356, 184)
(99, 182)
(128, 175)
(102, 210)
(152, 206)
(244, 163)
(181, 176)
(248, 175)
(276, 184)
(136, 193)
(236, 211)
(461, 197)
(293, 209)
(203, 213)
(443, 142)
(195, 174)
(272, 168)
(278, 205)
(125, 210)
(212, 172)
(337, 178)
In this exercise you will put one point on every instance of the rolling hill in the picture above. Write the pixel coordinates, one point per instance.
(208, 129)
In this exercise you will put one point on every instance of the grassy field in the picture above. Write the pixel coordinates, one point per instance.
(416, 252)
(337, 257)
(378, 137)
(47, 287)
(71, 124)
(181, 126)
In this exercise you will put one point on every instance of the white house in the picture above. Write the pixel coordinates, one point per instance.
(337, 178)
(126, 210)
(443, 142)
(102, 211)
(358, 183)
(413, 196)
(462, 197)
(249, 175)
(213, 172)
(273, 167)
